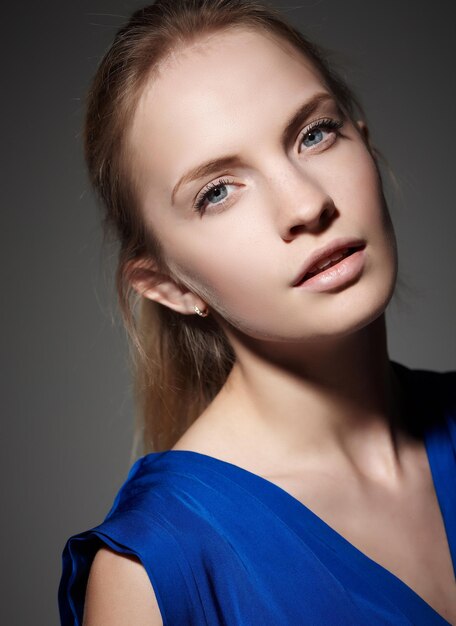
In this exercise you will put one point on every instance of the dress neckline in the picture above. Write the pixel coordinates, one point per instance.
(442, 462)
(441, 459)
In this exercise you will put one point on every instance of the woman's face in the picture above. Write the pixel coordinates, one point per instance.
(283, 193)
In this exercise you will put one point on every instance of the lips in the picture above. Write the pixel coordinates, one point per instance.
(329, 255)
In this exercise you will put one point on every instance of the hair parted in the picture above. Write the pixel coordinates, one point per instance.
(181, 361)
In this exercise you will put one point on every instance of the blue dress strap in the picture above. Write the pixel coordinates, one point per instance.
(137, 533)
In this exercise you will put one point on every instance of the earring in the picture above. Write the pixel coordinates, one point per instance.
(202, 313)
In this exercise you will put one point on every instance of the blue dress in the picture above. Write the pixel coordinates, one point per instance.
(224, 546)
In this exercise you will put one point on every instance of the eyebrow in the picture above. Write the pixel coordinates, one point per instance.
(292, 126)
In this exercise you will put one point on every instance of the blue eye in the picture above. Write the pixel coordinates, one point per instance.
(314, 136)
(314, 132)
(213, 193)
(217, 193)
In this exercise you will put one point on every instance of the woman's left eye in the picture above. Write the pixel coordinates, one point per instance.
(314, 133)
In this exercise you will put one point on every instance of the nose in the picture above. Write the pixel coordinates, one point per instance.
(302, 204)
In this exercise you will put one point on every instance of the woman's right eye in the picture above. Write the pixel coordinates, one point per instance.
(214, 194)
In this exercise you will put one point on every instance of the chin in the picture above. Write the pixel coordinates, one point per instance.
(361, 310)
(352, 309)
(366, 300)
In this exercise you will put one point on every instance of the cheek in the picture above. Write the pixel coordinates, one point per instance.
(226, 259)
(358, 193)
(368, 213)
(224, 265)
(356, 178)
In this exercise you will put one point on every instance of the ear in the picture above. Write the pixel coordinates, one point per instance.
(149, 282)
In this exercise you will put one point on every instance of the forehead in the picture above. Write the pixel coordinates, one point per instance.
(215, 95)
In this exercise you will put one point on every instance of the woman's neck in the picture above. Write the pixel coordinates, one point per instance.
(339, 402)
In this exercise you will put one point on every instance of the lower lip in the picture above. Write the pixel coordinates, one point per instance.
(338, 275)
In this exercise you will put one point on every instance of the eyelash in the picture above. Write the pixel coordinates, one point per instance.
(325, 124)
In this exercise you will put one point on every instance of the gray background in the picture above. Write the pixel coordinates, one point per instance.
(68, 413)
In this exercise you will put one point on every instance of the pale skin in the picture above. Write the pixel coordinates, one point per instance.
(311, 404)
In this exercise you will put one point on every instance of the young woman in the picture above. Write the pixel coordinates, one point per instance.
(293, 473)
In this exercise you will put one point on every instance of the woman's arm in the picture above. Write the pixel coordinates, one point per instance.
(119, 592)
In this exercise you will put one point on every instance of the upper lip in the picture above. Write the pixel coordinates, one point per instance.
(324, 251)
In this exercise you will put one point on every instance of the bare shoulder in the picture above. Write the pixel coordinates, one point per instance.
(119, 592)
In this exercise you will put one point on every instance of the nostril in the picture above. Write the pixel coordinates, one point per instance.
(326, 215)
(296, 229)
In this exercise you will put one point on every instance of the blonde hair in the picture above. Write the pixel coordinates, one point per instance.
(181, 361)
